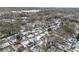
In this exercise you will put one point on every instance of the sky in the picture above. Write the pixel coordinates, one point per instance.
(39, 3)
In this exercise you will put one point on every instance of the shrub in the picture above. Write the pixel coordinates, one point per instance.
(48, 25)
(77, 37)
(49, 29)
(18, 38)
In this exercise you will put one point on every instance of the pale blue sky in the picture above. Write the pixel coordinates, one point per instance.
(39, 3)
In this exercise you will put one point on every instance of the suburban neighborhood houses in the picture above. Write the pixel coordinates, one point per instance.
(25, 29)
